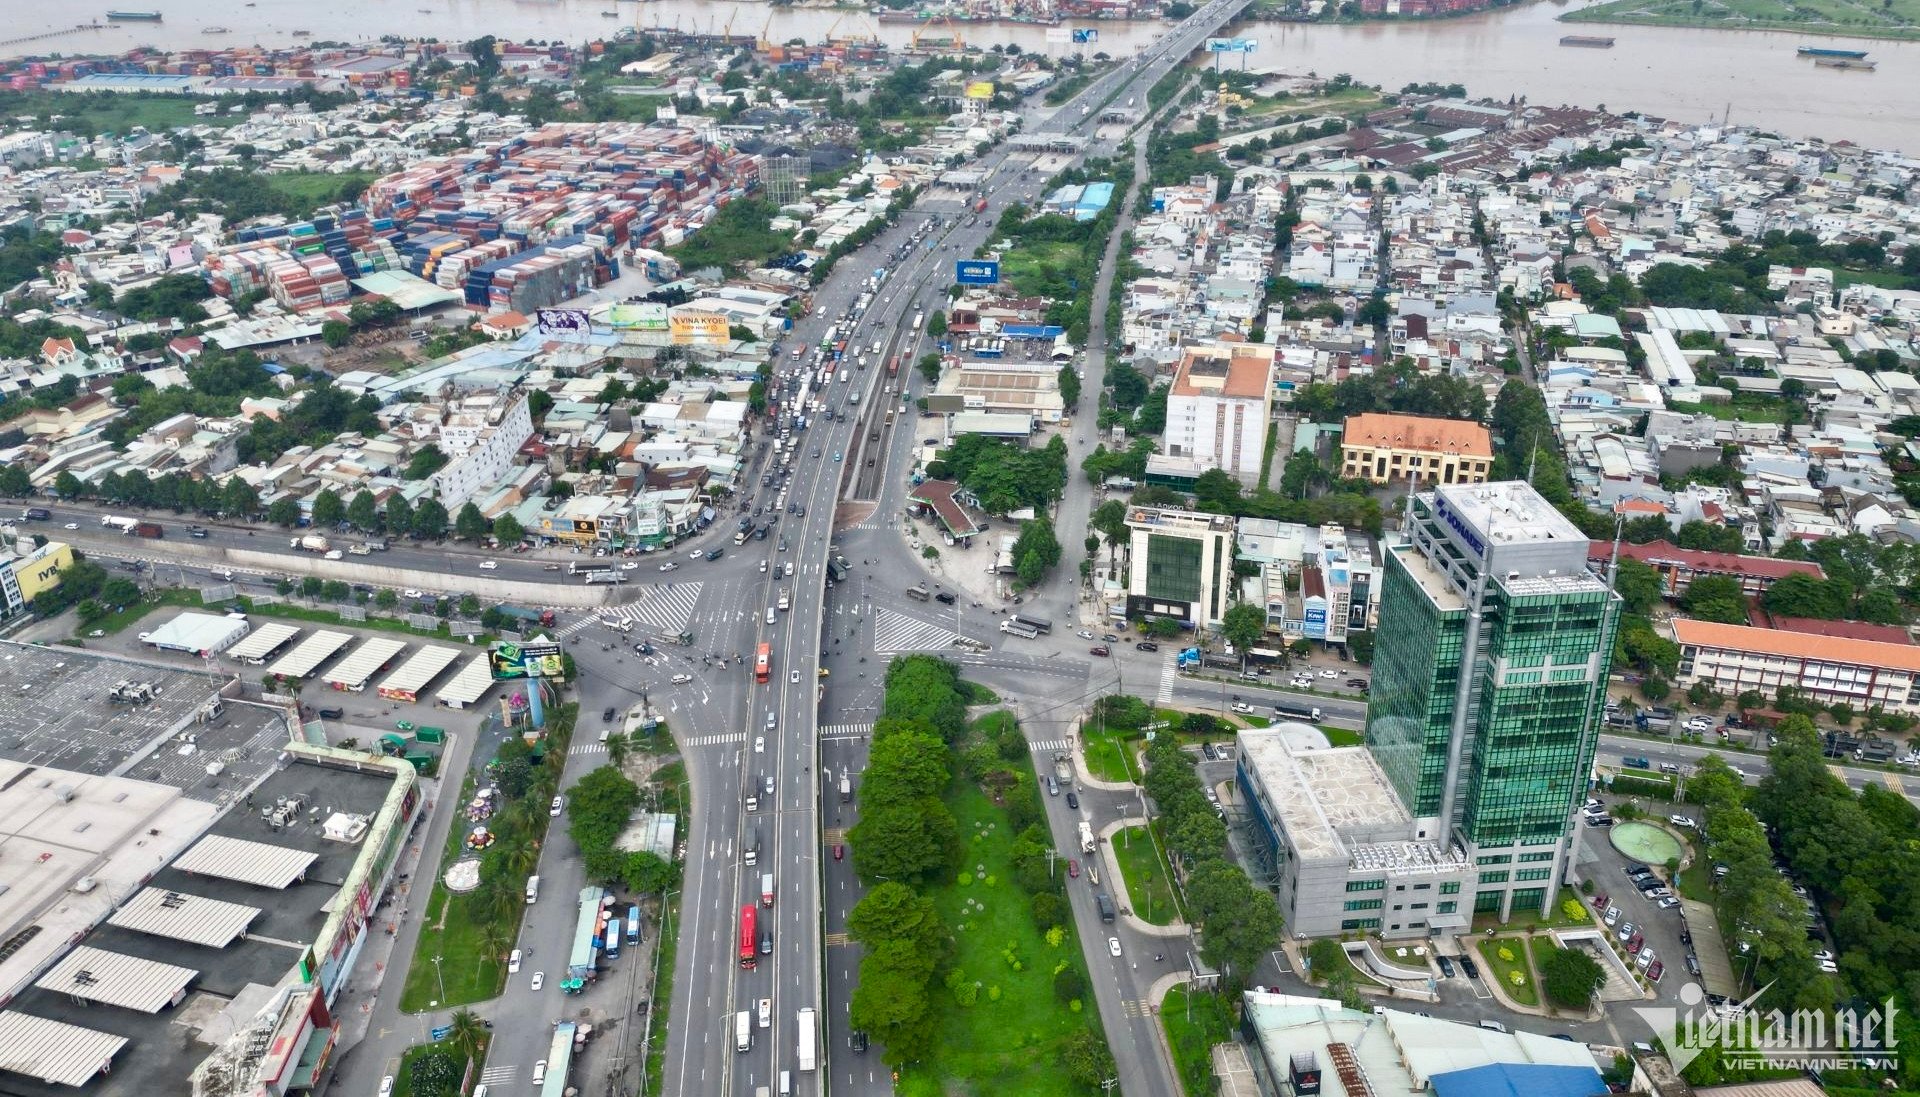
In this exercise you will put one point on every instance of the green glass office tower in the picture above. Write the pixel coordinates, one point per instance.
(1489, 678)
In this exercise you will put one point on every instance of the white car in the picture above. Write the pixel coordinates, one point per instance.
(682, 679)
(539, 979)
(794, 677)
(759, 744)
(558, 804)
(630, 565)
(668, 566)
(513, 962)
(1113, 946)
(1303, 683)
(489, 565)
(410, 593)
(76, 525)
(386, 1085)
(763, 565)
(1680, 821)
(1084, 634)
(1329, 674)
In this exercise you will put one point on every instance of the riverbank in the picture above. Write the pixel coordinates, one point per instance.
(1896, 20)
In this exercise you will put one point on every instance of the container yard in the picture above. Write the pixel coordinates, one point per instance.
(517, 227)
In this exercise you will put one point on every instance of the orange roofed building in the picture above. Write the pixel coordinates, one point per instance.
(1383, 448)
(1826, 669)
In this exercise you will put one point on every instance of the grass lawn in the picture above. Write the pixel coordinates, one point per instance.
(977, 694)
(1145, 869)
(1526, 920)
(668, 942)
(1341, 737)
(1109, 754)
(1736, 411)
(1009, 1042)
(1514, 977)
(121, 618)
(1193, 1038)
(453, 926)
(1696, 881)
(469, 971)
(112, 112)
(314, 188)
(1021, 267)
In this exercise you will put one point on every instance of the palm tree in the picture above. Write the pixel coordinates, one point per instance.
(468, 1032)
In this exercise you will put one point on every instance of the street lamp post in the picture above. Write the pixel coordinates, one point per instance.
(438, 981)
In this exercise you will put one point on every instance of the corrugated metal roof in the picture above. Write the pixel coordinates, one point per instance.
(255, 863)
(468, 686)
(116, 979)
(53, 1051)
(191, 918)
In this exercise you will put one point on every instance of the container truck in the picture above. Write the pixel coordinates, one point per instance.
(766, 889)
(846, 787)
(124, 525)
(147, 529)
(743, 1031)
(805, 1040)
(312, 542)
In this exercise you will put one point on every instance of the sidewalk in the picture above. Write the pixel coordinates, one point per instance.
(373, 1030)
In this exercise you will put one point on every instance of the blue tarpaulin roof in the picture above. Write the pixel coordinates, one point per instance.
(1519, 1080)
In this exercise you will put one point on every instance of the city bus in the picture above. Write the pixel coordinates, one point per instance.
(1038, 624)
(633, 925)
(749, 941)
(763, 663)
(585, 567)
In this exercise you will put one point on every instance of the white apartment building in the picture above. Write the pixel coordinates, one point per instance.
(480, 436)
(1218, 407)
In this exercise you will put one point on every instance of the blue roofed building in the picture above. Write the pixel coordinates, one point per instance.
(1520, 1080)
(1296, 1044)
(1093, 198)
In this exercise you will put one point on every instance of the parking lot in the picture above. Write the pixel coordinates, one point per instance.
(60, 712)
(1661, 928)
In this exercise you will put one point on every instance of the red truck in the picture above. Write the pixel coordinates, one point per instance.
(980, 206)
(148, 529)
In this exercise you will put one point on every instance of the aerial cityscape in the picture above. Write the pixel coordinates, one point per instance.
(675, 548)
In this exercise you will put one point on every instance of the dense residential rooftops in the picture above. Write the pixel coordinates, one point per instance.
(1798, 646)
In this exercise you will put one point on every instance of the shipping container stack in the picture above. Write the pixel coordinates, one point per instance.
(242, 269)
(543, 217)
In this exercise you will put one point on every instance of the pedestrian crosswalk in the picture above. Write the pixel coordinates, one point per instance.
(499, 1075)
(1047, 746)
(579, 749)
(1168, 675)
(721, 740)
(664, 608)
(846, 731)
(894, 631)
(1136, 1007)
